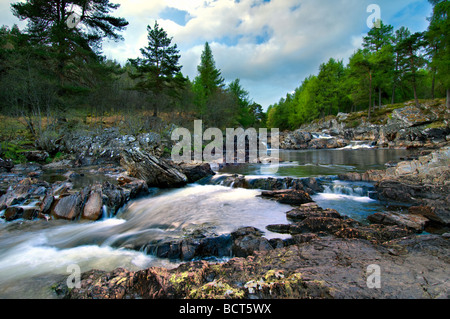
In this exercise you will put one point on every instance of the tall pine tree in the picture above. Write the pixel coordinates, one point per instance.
(439, 34)
(208, 80)
(158, 68)
(49, 24)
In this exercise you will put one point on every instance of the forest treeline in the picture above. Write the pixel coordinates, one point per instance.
(392, 66)
(54, 69)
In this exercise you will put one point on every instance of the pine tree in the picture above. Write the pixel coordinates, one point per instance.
(376, 41)
(208, 80)
(413, 60)
(439, 34)
(49, 24)
(400, 35)
(362, 67)
(158, 69)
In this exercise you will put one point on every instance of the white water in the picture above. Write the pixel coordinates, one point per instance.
(321, 135)
(357, 145)
(349, 198)
(36, 253)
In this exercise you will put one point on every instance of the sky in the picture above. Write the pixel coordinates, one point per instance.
(270, 45)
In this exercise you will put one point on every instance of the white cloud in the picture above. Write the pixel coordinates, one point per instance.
(271, 46)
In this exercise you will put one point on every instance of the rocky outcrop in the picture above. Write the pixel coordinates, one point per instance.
(394, 126)
(195, 172)
(421, 182)
(32, 198)
(155, 171)
(310, 185)
(412, 221)
(298, 140)
(288, 196)
(323, 267)
(106, 146)
(312, 219)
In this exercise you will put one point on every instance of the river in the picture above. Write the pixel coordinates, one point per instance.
(36, 254)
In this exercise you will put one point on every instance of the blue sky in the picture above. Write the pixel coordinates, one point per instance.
(271, 45)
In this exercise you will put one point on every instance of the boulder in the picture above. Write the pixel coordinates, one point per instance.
(310, 210)
(6, 165)
(195, 172)
(46, 204)
(411, 115)
(247, 240)
(411, 221)
(288, 196)
(155, 172)
(13, 213)
(113, 197)
(36, 156)
(69, 207)
(93, 209)
(439, 213)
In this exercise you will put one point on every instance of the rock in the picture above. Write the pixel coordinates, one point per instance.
(289, 196)
(46, 204)
(438, 215)
(134, 188)
(93, 209)
(327, 143)
(195, 172)
(6, 165)
(322, 267)
(310, 210)
(106, 146)
(61, 188)
(393, 190)
(36, 156)
(69, 207)
(114, 197)
(156, 172)
(248, 240)
(30, 213)
(415, 222)
(295, 140)
(410, 116)
(13, 213)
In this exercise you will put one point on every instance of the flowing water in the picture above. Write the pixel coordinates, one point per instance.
(36, 254)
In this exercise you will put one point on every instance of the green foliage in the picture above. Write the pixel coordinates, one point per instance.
(390, 67)
(12, 151)
(158, 68)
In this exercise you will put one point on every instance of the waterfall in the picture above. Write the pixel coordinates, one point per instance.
(342, 190)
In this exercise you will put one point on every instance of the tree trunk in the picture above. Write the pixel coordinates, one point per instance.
(379, 98)
(370, 92)
(393, 94)
(448, 98)
(433, 82)
(416, 99)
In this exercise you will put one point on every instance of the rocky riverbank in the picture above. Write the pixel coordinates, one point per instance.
(393, 126)
(102, 173)
(327, 255)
